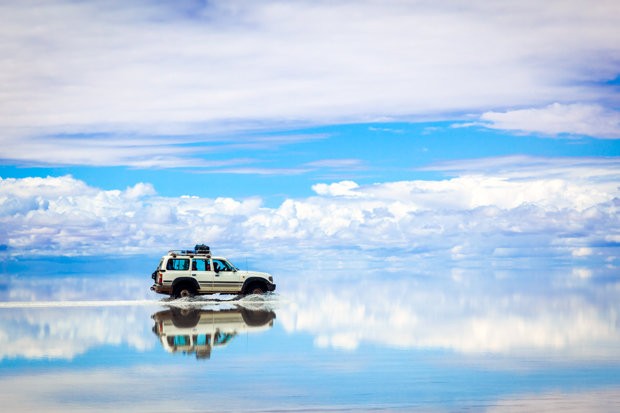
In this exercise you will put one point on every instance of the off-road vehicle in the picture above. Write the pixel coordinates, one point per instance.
(186, 273)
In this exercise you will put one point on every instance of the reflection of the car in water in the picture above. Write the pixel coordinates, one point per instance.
(198, 330)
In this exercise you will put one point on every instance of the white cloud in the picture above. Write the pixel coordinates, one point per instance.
(150, 68)
(471, 215)
(196, 151)
(556, 119)
(519, 167)
(336, 163)
(344, 188)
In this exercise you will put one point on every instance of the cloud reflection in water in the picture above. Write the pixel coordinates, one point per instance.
(382, 337)
(467, 312)
(64, 333)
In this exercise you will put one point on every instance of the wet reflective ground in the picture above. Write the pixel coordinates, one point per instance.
(455, 341)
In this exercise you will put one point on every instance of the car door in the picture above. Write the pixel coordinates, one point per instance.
(227, 279)
(176, 267)
(201, 270)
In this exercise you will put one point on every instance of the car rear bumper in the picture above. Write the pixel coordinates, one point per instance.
(161, 289)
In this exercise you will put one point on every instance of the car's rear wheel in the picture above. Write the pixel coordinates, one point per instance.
(183, 291)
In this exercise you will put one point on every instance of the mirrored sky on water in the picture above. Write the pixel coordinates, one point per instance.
(336, 339)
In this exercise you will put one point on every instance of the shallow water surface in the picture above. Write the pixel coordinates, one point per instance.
(464, 341)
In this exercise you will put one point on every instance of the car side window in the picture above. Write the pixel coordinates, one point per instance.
(221, 265)
(200, 265)
(178, 264)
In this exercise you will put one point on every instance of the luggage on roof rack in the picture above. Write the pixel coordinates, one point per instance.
(202, 249)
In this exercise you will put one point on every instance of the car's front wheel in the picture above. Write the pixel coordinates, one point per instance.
(256, 289)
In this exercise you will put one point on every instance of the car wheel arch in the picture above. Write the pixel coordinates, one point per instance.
(252, 282)
(187, 282)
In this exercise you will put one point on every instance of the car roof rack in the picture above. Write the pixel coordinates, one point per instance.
(199, 250)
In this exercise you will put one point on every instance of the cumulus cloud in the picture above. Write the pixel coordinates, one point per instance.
(494, 214)
(557, 119)
(110, 71)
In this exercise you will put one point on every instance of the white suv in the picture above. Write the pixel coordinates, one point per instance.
(194, 272)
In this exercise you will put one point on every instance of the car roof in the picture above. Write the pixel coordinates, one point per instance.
(191, 255)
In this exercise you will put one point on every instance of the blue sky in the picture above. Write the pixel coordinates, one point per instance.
(469, 129)
(365, 153)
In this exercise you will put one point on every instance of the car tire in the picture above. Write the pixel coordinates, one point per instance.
(183, 291)
(255, 289)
